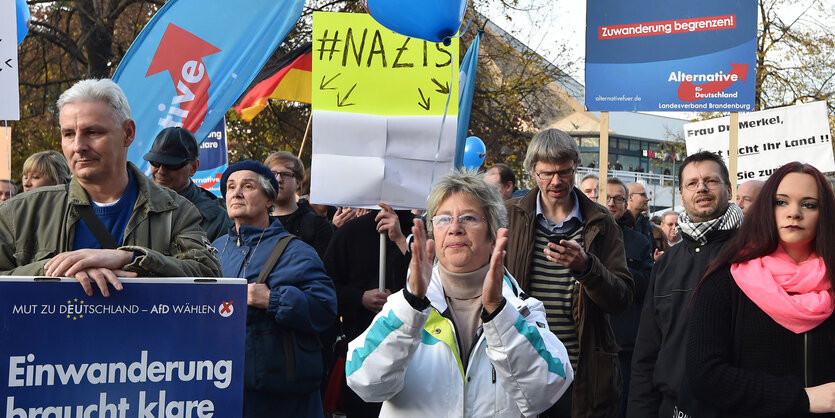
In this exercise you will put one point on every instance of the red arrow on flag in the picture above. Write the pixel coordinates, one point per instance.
(181, 54)
(209, 184)
(687, 90)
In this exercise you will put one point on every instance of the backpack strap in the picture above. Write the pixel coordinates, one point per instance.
(275, 254)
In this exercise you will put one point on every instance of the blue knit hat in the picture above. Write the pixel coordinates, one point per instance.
(251, 166)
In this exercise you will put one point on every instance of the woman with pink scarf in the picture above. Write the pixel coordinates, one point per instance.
(762, 335)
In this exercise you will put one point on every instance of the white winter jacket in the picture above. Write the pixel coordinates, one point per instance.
(410, 359)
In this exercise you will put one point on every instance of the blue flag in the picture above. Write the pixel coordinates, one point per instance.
(194, 59)
(466, 85)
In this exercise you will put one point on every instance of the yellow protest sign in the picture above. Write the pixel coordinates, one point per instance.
(359, 66)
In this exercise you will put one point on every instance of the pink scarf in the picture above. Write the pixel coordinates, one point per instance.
(796, 296)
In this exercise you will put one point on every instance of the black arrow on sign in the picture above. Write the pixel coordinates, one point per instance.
(341, 103)
(7, 62)
(443, 89)
(324, 86)
(425, 103)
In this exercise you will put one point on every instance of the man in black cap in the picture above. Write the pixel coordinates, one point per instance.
(173, 158)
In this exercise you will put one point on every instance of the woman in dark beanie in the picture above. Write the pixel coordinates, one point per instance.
(287, 307)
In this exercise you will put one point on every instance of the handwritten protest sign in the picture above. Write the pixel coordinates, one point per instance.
(9, 96)
(161, 347)
(768, 139)
(379, 100)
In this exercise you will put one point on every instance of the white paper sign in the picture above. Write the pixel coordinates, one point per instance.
(768, 139)
(360, 159)
(9, 97)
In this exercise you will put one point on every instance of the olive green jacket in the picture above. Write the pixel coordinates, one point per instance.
(163, 232)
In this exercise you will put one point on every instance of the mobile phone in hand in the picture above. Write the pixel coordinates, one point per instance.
(555, 238)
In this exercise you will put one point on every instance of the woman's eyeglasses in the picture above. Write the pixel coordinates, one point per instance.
(467, 221)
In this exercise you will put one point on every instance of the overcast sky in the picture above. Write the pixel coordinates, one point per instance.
(545, 26)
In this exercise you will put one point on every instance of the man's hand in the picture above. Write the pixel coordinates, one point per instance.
(343, 215)
(491, 293)
(258, 295)
(568, 253)
(91, 265)
(389, 223)
(423, 255)
(657, 254)
(101, 276)
(374, 299)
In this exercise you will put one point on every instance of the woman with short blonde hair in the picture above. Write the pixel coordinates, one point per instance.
(46, 168)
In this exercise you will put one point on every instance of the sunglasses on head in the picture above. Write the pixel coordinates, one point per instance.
(170, 167)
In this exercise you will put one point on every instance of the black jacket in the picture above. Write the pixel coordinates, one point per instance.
(639, 261)
(742, 362)
(352, 262)
(643, 225)
(315, 231)
(659, 355)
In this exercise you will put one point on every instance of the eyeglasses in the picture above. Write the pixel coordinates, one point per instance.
(616, 199)
(286, 175)
(467, 221)
(548, 175)
(170, 167)
(711, 184)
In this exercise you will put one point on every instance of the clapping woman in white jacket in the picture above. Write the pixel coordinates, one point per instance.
(461, 340)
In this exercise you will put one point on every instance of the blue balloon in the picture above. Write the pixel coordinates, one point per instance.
(432, 20)
(474, 153)
(23, 18)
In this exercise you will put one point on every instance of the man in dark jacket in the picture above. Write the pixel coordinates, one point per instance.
(173, 158)
(707, 223)
(352, 261)
(639, 261)
(299, 220)
(637, 203)
(581, 278)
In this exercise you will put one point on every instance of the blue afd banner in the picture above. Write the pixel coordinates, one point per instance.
(656, 55)
(194, 59)
(159, 348)
(213, 159)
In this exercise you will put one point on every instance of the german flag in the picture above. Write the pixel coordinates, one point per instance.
(289, 78)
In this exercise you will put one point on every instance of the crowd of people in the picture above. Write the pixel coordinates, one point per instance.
(497, 301)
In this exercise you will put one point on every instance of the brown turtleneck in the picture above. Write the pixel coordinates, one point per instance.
(462, 292)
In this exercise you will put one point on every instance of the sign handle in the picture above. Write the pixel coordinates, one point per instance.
(604, 157)
(382, 286)
(304, 137)
(733, 153)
